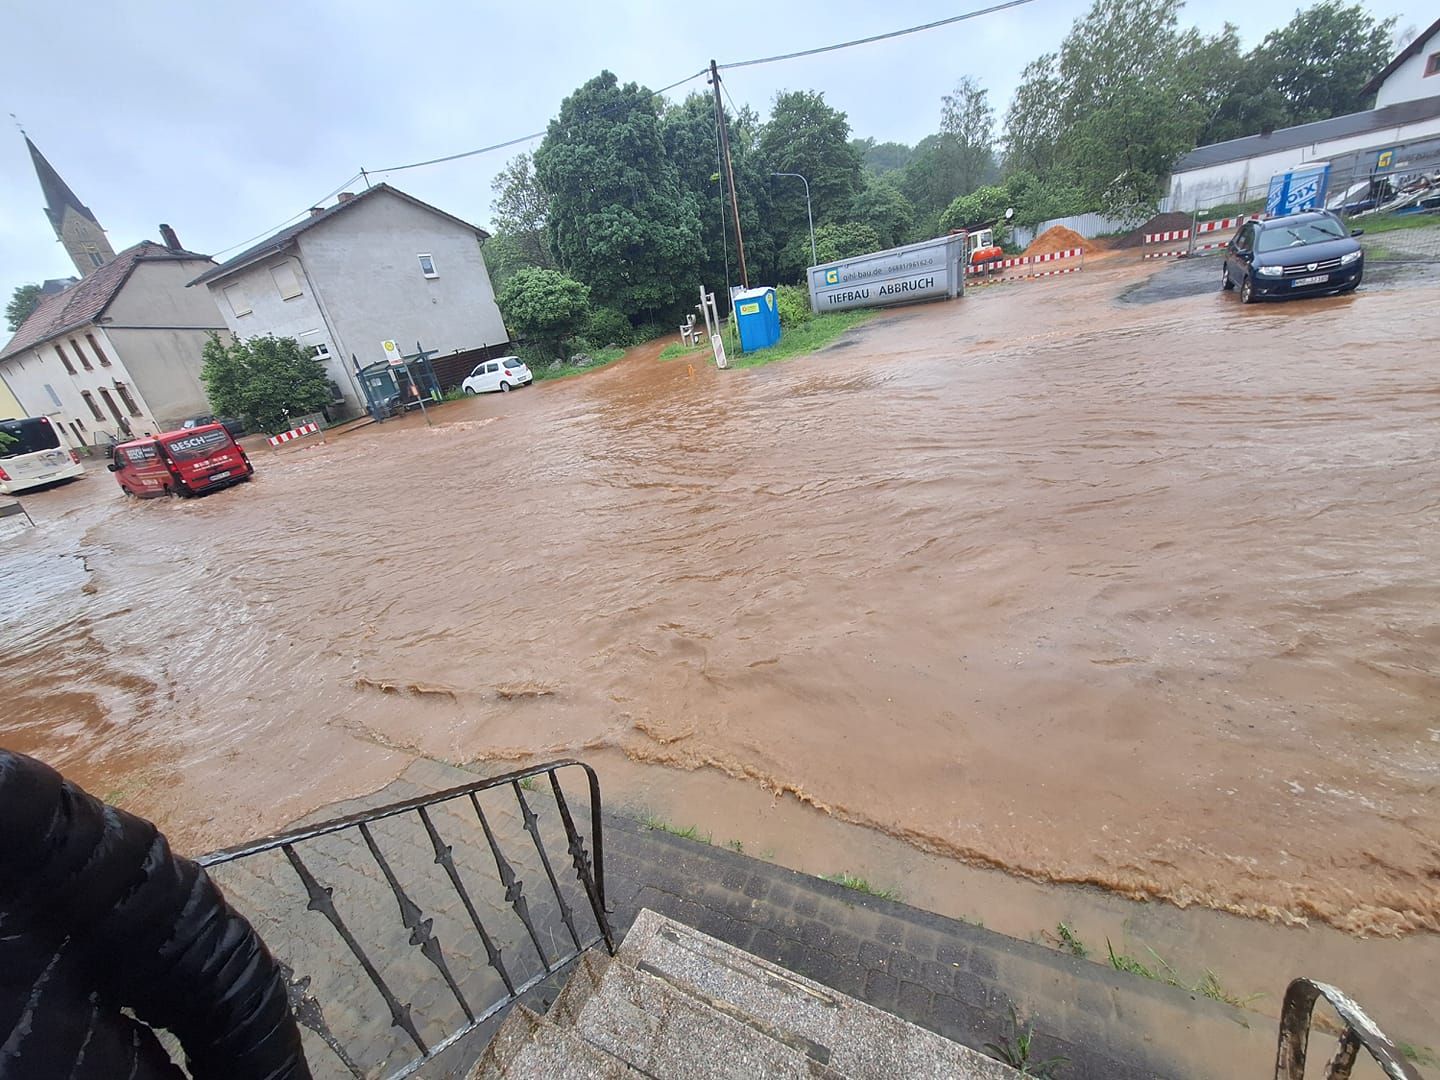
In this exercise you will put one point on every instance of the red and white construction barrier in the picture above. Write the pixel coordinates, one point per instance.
(294, 433)
(992, 267)
(1052, 273)
(1224, 224)
(1166, 237)
(1055, 256)
(1024, 260)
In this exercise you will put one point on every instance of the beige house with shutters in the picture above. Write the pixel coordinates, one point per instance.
(117, 354)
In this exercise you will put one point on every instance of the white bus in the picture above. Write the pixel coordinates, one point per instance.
(32, 455)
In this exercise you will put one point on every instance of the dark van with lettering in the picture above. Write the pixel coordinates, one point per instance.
(187, 462)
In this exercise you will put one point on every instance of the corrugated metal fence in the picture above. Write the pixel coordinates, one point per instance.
(1087, 225)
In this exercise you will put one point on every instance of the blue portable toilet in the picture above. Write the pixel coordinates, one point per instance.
(757, 317)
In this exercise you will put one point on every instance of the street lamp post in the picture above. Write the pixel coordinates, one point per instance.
(809, 216)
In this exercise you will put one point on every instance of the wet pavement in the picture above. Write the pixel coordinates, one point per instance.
(1134, 595)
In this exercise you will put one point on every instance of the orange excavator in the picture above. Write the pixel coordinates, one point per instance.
(983, 249)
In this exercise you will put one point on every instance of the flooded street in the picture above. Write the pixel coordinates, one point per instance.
(1140, 595)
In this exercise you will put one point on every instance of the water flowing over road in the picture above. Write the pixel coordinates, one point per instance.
(1138, 594)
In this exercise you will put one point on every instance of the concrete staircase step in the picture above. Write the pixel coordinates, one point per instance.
(664, 1029)
(527, 1047)
(585, 978)
(849, 1037)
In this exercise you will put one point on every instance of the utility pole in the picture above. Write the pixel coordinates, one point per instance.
(729, 172)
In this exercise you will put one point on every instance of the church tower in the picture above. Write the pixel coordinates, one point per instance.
(74, 224)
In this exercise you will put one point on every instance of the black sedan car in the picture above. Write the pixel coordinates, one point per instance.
(1299, 255)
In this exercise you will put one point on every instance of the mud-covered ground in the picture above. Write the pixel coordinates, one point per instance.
(1104, 580)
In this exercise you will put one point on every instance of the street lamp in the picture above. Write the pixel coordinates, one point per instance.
(814, 259)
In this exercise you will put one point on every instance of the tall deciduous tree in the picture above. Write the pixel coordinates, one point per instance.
(521, 211)
(883, 207)
(620, 220)
(1032, 123)
(880, 158)
(264, 379)
(1117, 107)
(1321, 58)
(967, 118)
(689, 133)
(805, 135)
(23, 301)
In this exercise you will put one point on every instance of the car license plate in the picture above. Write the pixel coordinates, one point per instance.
(1316, 280)
(220, 475)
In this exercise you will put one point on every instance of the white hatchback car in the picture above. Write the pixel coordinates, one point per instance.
(503, 374)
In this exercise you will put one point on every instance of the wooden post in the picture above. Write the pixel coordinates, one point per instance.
(729, 172)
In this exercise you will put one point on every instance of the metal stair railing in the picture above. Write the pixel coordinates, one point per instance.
(321, 899)
(1360, 1030)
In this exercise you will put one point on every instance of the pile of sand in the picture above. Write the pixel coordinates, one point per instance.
(1059, 238)
(1172, 222)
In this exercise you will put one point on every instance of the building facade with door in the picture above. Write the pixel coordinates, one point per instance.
(118, 353)
(378, 265)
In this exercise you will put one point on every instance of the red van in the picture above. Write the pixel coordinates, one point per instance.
(186, 462)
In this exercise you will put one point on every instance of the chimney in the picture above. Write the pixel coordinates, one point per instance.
(346, 196)
(167, 234)
(316, 211)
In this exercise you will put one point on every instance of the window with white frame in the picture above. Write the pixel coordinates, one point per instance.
(286, 280)
(1432, 65)
(427, 266)
(235, 297)
(321, 351)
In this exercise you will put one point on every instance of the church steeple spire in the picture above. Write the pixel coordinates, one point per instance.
(74, 224)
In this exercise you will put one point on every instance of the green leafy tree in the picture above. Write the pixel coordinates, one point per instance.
(1035, 200)
(606, 326)
(23, 301)
(981, 207)
(968, 120)
(1124, 98)
(688, 130)
(620, 220)
(837, 240)
(545, 306)
(267, 380)
(505, 255)
(1321, 58)
(1241, 94)
(883, 207)
(1032, 123)
(805, 135)
(877, 159)
(521, 212)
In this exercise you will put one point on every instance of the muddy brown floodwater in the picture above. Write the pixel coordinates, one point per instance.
(1138, 595)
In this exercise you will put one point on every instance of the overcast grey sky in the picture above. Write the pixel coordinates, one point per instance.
(223, 120)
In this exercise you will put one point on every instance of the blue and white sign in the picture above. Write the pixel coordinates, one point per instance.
(1302, 189)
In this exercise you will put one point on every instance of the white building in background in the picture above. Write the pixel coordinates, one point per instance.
(1405, 121)
(1229, 171)
(1413, 74)
(119, 353)
(378, 265)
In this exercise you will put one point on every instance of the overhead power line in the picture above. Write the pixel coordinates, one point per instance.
(726, 67)
(878, 37)
(275, 228)
(364, 173)
(524, 138)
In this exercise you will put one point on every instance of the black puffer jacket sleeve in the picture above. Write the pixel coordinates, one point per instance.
(101, 915)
